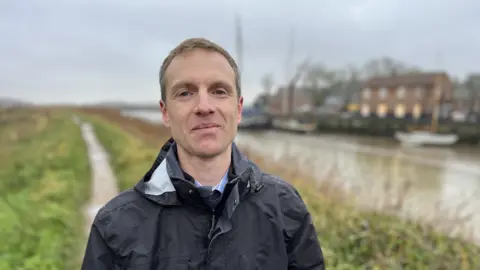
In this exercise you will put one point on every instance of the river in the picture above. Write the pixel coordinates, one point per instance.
(447, 178)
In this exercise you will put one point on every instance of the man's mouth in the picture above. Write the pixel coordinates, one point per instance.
(206, 126)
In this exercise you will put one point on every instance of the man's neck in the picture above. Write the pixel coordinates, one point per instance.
(207, 172)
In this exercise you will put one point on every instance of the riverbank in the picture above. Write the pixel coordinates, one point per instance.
(44, 172)
(351, 239)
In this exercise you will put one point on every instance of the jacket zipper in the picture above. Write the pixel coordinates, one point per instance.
(212, 226)
(210, 236)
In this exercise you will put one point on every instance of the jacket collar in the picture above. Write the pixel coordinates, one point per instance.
(166, 183)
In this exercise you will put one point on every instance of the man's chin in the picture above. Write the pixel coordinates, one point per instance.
(208, 150)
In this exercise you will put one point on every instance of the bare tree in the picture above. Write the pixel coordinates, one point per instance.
(386, 66)
(314, 76)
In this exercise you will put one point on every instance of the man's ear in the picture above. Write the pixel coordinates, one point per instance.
(240, 110)
(163, 110)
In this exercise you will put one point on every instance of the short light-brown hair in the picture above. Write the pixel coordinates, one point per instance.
(193, 44)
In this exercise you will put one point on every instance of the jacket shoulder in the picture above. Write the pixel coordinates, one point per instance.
(126, 205)
(121, 221)
(282, 187)
(291, 202)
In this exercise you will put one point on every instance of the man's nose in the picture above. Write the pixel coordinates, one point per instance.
(204, 103)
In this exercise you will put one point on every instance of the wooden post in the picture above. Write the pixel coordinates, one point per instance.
(437, 96)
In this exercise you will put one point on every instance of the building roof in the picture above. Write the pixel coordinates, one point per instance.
(403, 79)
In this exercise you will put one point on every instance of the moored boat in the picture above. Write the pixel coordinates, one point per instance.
(426, 138)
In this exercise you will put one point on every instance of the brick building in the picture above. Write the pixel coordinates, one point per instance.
(411, 96)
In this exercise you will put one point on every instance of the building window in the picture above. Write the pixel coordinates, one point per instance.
(417, 111)
(367, 93)
(400, 111)
(365, 111)
(401, 92)
(352, 107)
(419, 92)
(382, 93)
(382, 110)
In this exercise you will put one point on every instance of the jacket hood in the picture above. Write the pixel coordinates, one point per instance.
(165, 181)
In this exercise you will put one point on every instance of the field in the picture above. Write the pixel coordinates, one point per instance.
(351, 239)
(45, 181)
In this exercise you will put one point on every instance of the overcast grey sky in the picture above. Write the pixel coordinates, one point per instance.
(91, 50)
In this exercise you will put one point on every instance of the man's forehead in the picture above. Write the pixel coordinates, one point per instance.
(199, 58)
(193, 68)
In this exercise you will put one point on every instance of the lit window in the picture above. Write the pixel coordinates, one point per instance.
(367, 93)
(382, 110)
(401, 92)
(417, 111)
(365, 111)
(382, 93)
(400, 111)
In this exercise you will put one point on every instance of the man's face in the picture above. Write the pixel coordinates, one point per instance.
(202, 107)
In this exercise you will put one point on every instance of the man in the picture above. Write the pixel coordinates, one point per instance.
(203, 205)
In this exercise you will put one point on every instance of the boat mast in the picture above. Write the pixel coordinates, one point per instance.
(438, 94)
(239, 43)
(288, 96)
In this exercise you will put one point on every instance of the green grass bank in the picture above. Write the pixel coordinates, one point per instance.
(45, 182)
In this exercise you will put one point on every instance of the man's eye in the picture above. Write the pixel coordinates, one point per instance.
(184, 93)
(220, 91)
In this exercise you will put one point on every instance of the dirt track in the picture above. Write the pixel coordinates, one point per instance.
(103, 180)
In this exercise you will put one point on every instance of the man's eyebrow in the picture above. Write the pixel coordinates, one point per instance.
(181, 84)
(222, 84)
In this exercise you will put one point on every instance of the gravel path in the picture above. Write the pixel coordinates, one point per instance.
(103, 181)
(104, 184)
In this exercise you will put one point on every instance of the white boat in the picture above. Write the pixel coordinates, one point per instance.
(426, 138)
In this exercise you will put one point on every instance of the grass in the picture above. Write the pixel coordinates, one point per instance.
(351, 238)
(45, 172)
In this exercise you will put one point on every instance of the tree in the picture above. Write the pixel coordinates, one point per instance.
(386, 66)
